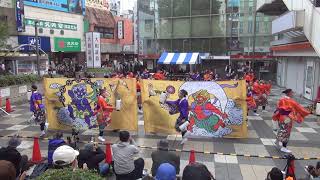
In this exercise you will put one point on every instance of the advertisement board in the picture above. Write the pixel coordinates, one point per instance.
(67, 44)
(120, 29)
(70, 6)
(20, 16)
(44, 43)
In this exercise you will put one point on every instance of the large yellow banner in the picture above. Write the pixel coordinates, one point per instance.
(216, 109)
(70, 103)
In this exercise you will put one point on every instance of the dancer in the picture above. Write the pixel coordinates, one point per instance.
(37, 107)
(103, 111)
(288, 110)
(183, 107)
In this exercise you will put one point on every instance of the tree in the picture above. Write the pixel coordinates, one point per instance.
(4, 34)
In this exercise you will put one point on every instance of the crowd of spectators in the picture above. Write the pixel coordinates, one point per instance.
(126, 164)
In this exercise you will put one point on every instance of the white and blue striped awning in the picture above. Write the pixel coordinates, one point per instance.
(179, 58)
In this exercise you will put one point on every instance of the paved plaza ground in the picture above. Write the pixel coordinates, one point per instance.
(305, 142)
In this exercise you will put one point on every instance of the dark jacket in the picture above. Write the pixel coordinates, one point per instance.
(12, 155)
(52, 146)
(164, 156)
(91, 158)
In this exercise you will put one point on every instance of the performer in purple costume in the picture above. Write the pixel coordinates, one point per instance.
(37, 107)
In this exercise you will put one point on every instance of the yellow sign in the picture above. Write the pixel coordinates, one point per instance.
(216, 109)
(70, 103)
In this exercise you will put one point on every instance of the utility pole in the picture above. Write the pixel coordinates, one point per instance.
(37, 45)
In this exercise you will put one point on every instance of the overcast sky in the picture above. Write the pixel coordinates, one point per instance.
(127, 4)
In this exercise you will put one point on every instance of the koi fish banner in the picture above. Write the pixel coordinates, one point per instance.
(70, 103)
(216, 109)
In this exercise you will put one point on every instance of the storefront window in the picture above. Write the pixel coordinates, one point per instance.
(107, 33)
(24, 67)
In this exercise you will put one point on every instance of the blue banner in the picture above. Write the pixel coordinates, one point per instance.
(44, 43)
(70, 6)
(20, 16)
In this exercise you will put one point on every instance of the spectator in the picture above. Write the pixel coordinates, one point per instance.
(162, 155)
(11, 154)
(196, 171)
(54, 144)
(275, 174)
(65, 156)
(166, 172)
(7, 170)
(92, 155)
(125, 166)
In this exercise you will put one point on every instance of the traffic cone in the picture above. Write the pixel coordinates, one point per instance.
(8, 106)
(36, 154)
(192, 158)
(108, 154)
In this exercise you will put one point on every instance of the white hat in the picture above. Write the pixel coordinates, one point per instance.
(64, 153)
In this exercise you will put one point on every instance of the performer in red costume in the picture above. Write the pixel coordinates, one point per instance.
(288, 111)
(103, 111)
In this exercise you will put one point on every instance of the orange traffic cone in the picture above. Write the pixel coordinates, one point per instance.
(192, 158)
(8, 106)
(108, 154)
(36, 154)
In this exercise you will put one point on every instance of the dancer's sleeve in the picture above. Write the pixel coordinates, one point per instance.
(184, 109)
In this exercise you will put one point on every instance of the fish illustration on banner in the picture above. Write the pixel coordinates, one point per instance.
(216, 109)
(72, 102)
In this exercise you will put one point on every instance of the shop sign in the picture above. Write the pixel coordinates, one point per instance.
(140, 47)
(52, 25)
(5, 92)
(101, 4)
(43, 43)
(73, 6)
(93, 51)
(67, 44)
(20, 16)
(120, 30)
(6, 3)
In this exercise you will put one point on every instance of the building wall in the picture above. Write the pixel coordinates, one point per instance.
(128, 33)
(8, 16)
(55, 16)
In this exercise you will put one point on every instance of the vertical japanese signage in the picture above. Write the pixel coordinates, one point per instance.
(140, 47)
(120, 30)
(93, 53)
(20, 16)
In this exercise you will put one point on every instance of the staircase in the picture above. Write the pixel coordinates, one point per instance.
(311, 20)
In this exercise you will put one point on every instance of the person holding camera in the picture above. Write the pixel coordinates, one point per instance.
(91, 155)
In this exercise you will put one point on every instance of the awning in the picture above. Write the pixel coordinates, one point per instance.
(179, 58)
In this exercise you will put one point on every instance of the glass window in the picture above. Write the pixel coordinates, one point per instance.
(309, 82)
(250, 26)
(200, 45)
(241, 27)
(216, 5)
(148, 25)
(164, 8)
(200, 7)
(200, 26)
(218, 25)
(266, 27)
(165, 28)
(218, 46)
(181, 8)
(164, 45)
(181, 27)
(257, 26)
(107, 33)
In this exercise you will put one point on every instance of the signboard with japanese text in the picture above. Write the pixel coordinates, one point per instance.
(140, 49)
(120, 29)
(93, 52)
(52, 25)
(70, 6)
(43, 43)
(101, 4)
(20, 16)
(67, 44)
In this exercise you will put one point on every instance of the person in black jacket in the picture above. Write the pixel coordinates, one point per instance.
(195, 171)
(162, 155)
(92, 155)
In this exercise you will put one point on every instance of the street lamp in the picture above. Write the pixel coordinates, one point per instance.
(37, 45)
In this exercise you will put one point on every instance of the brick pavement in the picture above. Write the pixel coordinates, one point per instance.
(305, 142)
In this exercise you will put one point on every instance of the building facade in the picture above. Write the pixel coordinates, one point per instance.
(217, 27)
(295, 44)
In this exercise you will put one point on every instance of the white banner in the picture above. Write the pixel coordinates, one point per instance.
(5, 92)
(120, 30)
(93, 52)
